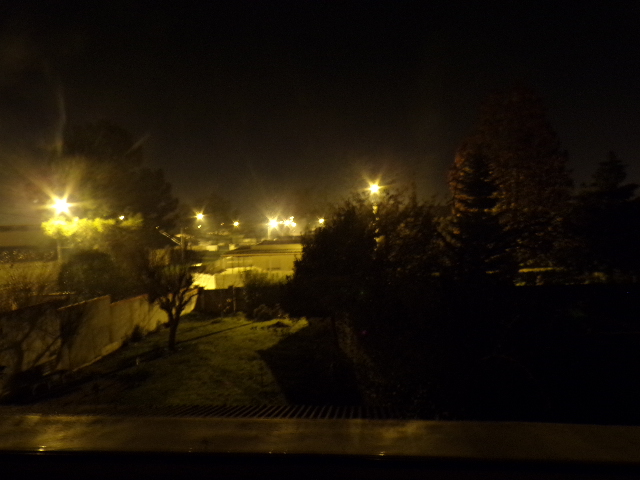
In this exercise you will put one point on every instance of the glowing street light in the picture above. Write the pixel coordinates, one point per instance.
(236, 224)
(374, 188)
(199, 216)
(321, 221)
(60, 205)
(273, 223)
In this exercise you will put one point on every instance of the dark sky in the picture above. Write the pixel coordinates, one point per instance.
(253, 99)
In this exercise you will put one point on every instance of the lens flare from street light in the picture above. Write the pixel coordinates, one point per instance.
(273, 223)
(60, 205)
(235, 224)
(199, 216)
(374, 188)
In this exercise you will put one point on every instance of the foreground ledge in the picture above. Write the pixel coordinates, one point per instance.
(503, 445)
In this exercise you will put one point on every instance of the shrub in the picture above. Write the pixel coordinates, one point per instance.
(137, 334)
(262, 294)
(21, 283)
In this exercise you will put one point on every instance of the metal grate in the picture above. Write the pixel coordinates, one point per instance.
(321, 412)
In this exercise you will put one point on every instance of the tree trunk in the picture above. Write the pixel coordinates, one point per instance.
(173, 329)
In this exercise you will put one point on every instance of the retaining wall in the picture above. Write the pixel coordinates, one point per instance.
(71, 337)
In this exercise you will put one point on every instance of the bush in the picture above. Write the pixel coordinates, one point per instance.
(263, 294)
(21, 283)
(137, 335)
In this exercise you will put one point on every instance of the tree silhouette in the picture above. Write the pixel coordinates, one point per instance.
(478, 246)
(169, 287)
(606, 221)
(529, 170)
(100, 170)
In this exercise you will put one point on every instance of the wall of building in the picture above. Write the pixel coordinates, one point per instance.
(269, 262)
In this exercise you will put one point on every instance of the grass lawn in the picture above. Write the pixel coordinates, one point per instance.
(219, 361)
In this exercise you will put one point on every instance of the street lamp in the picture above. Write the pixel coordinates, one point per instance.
(273, 223)
(60, 205)
(374, 190)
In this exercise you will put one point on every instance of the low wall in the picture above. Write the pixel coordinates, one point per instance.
(71, 337)
(28, 337)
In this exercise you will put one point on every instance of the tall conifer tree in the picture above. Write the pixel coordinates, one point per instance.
(478, 246)
(529, 170)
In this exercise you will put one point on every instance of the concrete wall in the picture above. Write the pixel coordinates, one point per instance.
(70, 337)
(28, 337)
(88, 326)
(101, 327)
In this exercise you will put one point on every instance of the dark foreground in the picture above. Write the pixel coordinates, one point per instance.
(107, 447)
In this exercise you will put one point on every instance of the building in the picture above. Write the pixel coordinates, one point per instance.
(274, 257)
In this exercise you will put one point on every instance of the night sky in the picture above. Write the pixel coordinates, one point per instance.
(258, 100)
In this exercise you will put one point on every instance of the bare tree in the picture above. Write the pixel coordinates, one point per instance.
(170, 287)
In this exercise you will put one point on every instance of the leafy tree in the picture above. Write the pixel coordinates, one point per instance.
(337, 262)
(529, 170)
(478, 246)
(116, 203)
(361, 257)
(606, 221)
(100, 170)
(103, 142)
(97, 233)
(170, 287)
(90, 274)
(409, 243)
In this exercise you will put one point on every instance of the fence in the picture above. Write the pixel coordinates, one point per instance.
(221, 301)
(48, 337)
